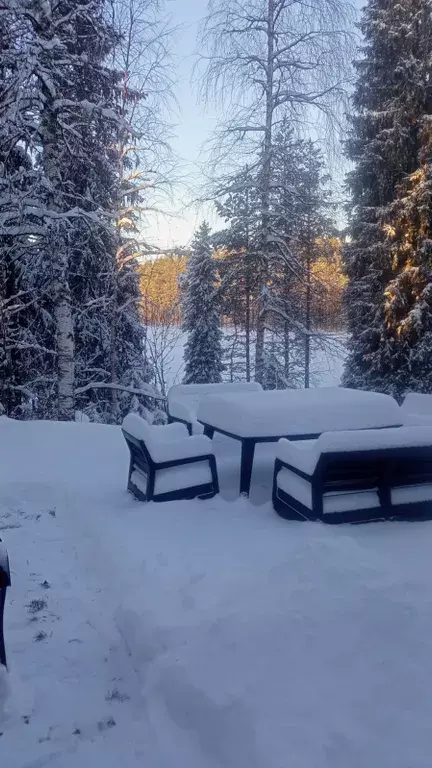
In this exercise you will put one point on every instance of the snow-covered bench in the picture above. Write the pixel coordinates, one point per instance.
(417, 409)
(355, 476)
(166, 463)
(184, 399)
(5, 582)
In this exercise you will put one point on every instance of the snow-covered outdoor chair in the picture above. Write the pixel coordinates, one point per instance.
(184, 399)
(355, 476)
(167, 464)
(5, 582)
(417, 409)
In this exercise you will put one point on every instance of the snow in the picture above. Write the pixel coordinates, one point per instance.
(304, 455)
(168, 442)
(411, 494)
(413, 437)
(418, 403)
(412, 419)
(328, 356)
(4, 691)
(141, 430)
(301, 489)
(298, 411)
(301, 454)
(206, 634)
(184, 399)
(175, 478)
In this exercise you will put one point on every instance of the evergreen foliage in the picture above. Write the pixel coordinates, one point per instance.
(201, 314)
(69, 310)
(388, 259)
(299, 208)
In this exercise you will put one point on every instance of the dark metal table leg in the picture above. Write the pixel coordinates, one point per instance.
(209, 431)
(2, 642)
(247, 457)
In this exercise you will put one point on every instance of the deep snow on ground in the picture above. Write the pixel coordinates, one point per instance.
(204, 634)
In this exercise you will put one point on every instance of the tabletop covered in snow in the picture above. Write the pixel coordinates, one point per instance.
(298, 411)
(184, 399)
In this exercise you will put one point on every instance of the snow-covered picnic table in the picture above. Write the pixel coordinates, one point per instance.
(297, 414)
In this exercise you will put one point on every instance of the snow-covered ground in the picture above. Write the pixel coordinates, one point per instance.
(204, 634)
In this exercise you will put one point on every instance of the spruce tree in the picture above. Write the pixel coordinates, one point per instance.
(78, 144)
(238, 204)
(386, 258)
(201, 315)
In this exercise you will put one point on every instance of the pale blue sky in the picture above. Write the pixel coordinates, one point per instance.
(193, 125)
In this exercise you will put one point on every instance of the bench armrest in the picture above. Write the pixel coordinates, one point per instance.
(187, 448)
(5, 580)
(300, 454)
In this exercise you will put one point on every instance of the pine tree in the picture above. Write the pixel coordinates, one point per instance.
(391, 104)
(201, 318)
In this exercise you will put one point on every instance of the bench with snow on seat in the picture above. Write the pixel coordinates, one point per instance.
(417, 409)
(167, 464)
(355, 476)
(5, 582)
(184, 399)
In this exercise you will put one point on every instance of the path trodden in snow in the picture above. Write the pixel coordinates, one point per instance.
(201, 634)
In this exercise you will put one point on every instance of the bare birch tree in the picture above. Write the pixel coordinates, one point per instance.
(143, 55)
(264, 59)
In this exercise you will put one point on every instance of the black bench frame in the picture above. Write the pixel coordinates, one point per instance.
(5, 582)
(381, 470)
(248, 448)
(141, 460)
(175, 419)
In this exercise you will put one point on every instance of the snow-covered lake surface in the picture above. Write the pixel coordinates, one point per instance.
(327, 360)
(204, 634)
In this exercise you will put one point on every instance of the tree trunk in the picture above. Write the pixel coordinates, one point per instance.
(248, 333)
(265, 194)
(65, 346)
(57, 243)
(113, 347)
(247, 287)
(286, 350)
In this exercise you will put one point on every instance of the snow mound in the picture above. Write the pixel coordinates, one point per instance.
(4, 691)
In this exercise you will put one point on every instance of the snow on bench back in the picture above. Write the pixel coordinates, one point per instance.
(141, 430)
(420, 404)
(183, 399)
(305, 455)
(167, 442)
(371, 439)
